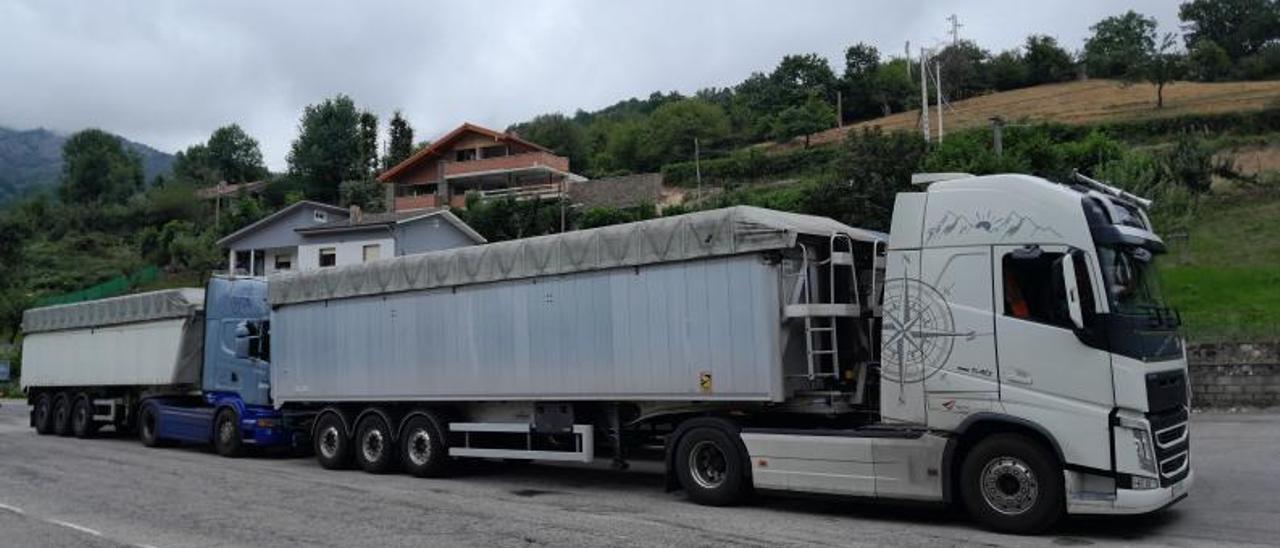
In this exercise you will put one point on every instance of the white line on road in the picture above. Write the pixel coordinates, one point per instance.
(70, 525)
(13, 509)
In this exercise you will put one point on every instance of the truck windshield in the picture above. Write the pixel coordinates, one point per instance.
(1133, 284)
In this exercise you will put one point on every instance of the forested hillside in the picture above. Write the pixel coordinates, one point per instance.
(32, 159)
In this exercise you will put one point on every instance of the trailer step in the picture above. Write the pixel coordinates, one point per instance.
(840, 310)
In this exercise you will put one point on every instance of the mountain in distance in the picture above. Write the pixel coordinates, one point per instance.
(32, 158)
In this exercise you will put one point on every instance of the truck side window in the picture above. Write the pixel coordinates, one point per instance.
(1033, 288)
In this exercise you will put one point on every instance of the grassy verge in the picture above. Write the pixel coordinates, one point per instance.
(1225, 279)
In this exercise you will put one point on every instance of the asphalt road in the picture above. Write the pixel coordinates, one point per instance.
(115, 492)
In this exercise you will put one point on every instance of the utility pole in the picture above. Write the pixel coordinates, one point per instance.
(955, 29)
(907, 56)
(937, 85)
(924, 95)
(839, 109)
(997, 135)
(697, 168)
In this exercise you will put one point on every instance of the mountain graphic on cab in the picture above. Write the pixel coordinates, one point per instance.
(1008, 225)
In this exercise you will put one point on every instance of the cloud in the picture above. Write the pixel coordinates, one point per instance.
(169, 73)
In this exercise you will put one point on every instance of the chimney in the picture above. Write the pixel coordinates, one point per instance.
(355, 214)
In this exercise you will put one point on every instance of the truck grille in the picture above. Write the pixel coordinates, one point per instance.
(1172, 438)
(1166, 390)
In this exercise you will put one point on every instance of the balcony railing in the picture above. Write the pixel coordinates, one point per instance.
(506, 163)
(524, 192)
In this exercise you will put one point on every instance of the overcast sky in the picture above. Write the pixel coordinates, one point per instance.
(168, 73)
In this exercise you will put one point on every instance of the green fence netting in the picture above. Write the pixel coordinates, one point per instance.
(118, 285)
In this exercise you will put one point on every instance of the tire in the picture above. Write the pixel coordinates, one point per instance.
(375, 449)
(227, 440)
(82, 423)
(43, 414)
(422, 448)
(711, 466)
(147, 423)
(1012, 484)
(332, 445)
(62, 415)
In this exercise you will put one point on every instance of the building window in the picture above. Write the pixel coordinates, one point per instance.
(320, 216)
(372, 252)
(465, 155)
(328, 256)
(284, 262)
(495, 151)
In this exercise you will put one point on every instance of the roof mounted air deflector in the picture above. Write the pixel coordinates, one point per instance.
(925, 179)
(1110, 190)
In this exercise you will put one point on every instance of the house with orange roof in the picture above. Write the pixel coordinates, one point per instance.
(473, 159)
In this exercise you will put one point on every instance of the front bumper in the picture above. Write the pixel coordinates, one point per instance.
(1133, 501)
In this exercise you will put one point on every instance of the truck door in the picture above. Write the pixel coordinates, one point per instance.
(959, 336)
(901, 371)
(1047, 374)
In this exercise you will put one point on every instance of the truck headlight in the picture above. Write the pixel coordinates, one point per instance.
(1146, 453)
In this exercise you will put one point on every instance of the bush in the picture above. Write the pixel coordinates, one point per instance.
(605, 216)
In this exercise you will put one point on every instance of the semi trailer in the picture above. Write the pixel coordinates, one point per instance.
(1005, 346)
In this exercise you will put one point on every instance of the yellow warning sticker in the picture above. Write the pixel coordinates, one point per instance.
(704, 381)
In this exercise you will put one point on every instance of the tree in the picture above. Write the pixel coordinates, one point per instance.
(1164, 66)
(861, 64)
(1207, 61)
(558, 133)
(1008, 70)
(871, 168)
(812, 116)
(673, 127)
(327, 150)
(1120, 46)
(368, 194)
(195, 166)
(96, 168)
(894, 88)
(235, 156)
(798, 77)
(399, 141)
(369, 143)
(1046, 61)
(1239, 27)
(964, 70)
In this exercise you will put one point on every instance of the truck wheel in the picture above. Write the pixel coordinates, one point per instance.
(62, 415)
(226, 434)
(82, 424)
(710, 467)
(422, 448)
(1011, 483)
(43, 414)
(332, 446)
(148, 421)
(375, 452)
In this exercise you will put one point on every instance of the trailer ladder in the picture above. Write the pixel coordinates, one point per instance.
(820, 312)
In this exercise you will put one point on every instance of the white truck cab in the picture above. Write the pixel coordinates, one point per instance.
(1025, 342)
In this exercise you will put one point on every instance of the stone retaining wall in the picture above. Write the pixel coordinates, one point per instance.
(1235, 375)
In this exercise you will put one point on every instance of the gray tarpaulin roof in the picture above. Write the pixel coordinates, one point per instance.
(696, 235)
(155, 305)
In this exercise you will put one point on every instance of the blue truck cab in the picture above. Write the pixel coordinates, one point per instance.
(234, 408)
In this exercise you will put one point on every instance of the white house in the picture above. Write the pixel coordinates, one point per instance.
(309, 235)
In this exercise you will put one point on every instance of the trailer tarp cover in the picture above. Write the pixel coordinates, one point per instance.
(154, 305)
(703, 234)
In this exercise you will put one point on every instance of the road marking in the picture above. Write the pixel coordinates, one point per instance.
(70, 525)
(13, 509)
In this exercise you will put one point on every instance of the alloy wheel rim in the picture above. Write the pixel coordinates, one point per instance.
(372, 445)
(1009, 486)
(329, 442)
(707, 465)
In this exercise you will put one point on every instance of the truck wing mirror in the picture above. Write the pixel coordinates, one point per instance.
(1068, 264)
(241, 344)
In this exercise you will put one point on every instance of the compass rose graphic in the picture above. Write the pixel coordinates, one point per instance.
(919, 331)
